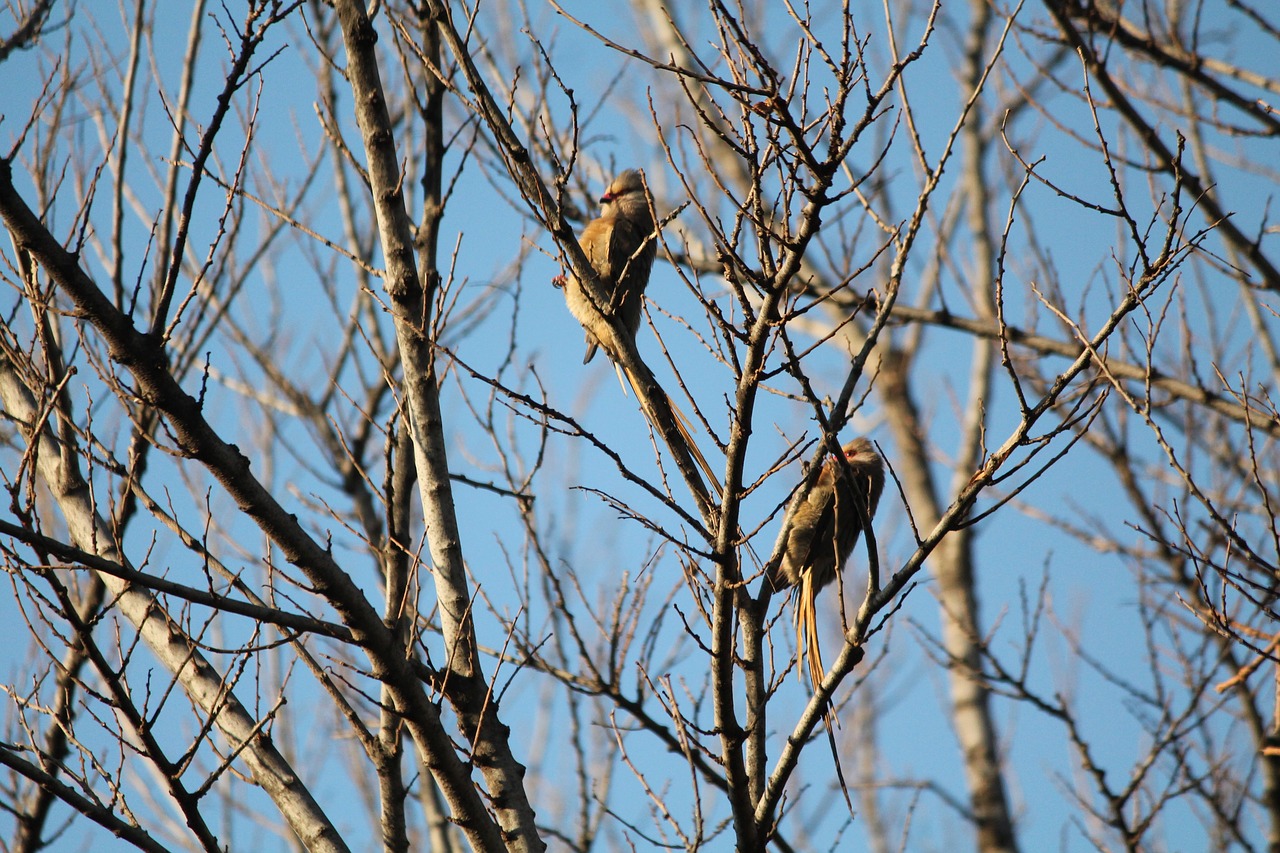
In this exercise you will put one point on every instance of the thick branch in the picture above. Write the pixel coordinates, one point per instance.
(411, 306)
(166, 639)
(145, 357)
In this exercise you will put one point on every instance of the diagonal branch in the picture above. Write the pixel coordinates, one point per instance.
(145, 356)
(166, 639)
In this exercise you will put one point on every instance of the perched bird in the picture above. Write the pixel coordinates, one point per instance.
(621, 245)
(821, 531)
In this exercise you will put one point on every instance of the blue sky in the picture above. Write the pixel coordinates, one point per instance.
(1093, 594)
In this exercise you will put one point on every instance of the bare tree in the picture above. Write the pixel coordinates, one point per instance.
(317, 531)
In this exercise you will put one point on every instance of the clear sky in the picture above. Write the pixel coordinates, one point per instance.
(521, 328)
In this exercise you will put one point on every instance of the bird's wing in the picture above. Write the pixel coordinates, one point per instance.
(813, 522)
(597, 243)
(628, 274)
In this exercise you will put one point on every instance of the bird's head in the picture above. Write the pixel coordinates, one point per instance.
(862, 456)
(861, 451)
(625, 195)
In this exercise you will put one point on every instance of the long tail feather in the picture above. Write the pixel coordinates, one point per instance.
(682, 426)
(807, 646)
(617, 368)
(809, 652)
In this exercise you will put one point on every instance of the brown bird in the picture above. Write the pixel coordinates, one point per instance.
(821, 531)
(621, 245)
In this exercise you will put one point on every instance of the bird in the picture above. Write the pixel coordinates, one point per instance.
(621, 245)
(820, 532)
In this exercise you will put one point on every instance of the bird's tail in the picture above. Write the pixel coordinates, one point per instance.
(809, 653)
(683, 425)
(808, 649)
